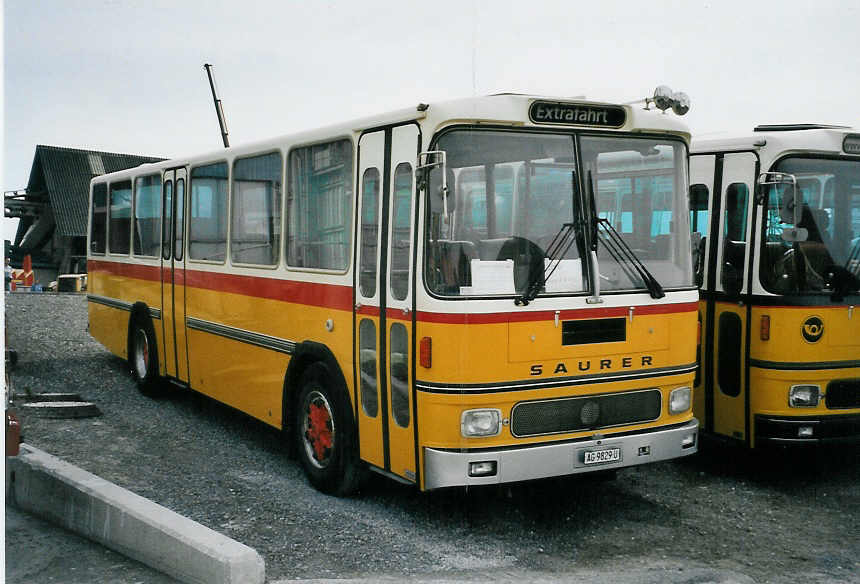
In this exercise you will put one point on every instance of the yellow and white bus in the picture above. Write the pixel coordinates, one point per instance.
(486, 290)
(777, 215)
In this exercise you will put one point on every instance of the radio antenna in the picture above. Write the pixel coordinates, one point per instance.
(219, 110)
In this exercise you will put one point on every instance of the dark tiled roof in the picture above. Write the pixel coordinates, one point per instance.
(65, 174)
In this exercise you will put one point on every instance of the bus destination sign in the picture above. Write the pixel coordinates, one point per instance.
(577, 114)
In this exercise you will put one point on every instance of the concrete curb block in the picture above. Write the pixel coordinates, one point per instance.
(64, 494)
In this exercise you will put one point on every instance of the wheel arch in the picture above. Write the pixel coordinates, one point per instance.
(306, 354)
(140, 313)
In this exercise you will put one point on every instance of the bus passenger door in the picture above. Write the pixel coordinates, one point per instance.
(372, 413)
(383, 315)
(398, 298)
(702, 171)
(175, 348)
(731, 313)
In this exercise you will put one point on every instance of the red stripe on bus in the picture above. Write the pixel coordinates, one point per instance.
(326, 295)
(340, 297)
(368, 311)
(310, 294)
(137, 271)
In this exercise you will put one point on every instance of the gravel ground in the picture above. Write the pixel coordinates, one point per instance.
(785, 518)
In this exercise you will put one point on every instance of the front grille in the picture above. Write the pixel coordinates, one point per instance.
(843, 393)
(585, 413)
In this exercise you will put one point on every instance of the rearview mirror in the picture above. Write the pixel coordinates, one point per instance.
(433, 164)
(790, 203)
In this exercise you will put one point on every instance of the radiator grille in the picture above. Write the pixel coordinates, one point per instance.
(843, 393)
(585, 413)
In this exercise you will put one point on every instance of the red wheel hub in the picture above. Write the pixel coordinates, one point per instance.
(319, 430)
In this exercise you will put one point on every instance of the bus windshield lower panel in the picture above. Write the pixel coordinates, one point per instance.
(511, 194)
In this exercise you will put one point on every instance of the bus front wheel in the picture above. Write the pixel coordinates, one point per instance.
(143, 358)
(325, 436)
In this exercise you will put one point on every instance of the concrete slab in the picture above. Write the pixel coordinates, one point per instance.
(64, 494)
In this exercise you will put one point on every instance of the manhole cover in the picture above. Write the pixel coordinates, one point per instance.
(62, 409)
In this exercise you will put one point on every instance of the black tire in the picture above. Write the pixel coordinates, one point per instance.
(143, 357)
(325, 439)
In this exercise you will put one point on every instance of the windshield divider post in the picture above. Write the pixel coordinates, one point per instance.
(595, 281)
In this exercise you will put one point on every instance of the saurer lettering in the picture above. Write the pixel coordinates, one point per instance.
(592, 365)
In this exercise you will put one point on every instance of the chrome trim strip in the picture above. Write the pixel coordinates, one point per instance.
(450, 468)
(121, 304)
(112, 302)
(429, 387)
(241, 335)
(797, 366)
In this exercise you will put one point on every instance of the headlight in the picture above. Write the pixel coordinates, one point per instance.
(679, 400)
(480, 423)
(804, 396)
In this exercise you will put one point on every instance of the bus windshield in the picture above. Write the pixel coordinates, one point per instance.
(828, 260)
(515, 213)
(639, 188)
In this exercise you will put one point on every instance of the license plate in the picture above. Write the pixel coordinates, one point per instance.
(601, 456)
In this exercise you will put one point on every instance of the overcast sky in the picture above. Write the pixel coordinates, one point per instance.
(127, 75)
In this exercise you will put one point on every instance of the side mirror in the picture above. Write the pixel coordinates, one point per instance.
(429, 163)
(790, 203)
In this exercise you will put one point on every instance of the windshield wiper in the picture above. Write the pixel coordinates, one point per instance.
(624, 253)
(618, 248)
(556, 249)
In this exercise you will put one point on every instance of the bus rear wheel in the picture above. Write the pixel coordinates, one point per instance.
(325, 434)
(143, 358)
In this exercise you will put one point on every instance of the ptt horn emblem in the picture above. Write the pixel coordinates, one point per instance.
(812, 329)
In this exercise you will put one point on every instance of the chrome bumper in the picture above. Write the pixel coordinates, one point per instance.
(450, 468)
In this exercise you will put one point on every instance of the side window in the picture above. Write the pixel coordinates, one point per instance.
(736, 211)
(699, 228)
(167, 224)
(179, 224)
(735, 219)
(401, 233)
(207, 227)
(367, 367)
(399, 374)
(256, 215)
(369, 261)
(147, 215)
(119, 218)
(319, 206)
(98, 222)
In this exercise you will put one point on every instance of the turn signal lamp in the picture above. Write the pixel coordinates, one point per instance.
(688, 441)
(764, 329)
(482, 469)
(425, 352)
